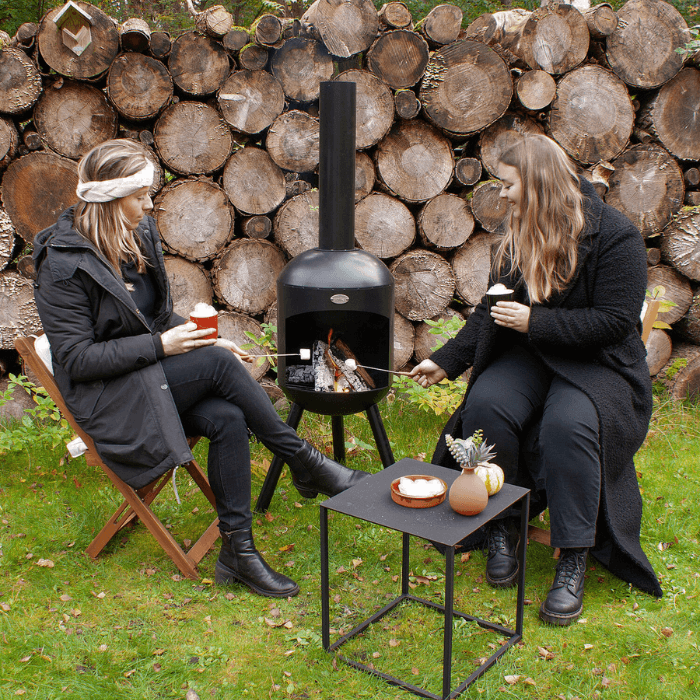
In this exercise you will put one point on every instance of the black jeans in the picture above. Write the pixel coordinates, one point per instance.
(506, 401)
(217, 398)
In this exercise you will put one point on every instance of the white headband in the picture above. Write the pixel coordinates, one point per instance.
(108, 190)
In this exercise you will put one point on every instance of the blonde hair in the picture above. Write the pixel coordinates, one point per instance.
(542, 241)
(104, 223)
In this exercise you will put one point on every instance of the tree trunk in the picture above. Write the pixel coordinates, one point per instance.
(215, 21)
(445, 222)
(236, 39)
(31, 140)
(296, 224)
(691, 177)
(253, 57)
(300, 66)
(535, 89)
(399, 58)
(26, 35)
(425, 284)
(346, 27)
(36, 189)
(189, 285)
(646, 186)
(135, 35)
(680, 244)
(256, 226)
(653, 256)
(472, 264)
(601, 20)
(294, 185)
(73, 118)
(94, 60)
(404, 337)
(635, 50)
(20, 82)
(395, 15)
(406, 104)
(245, 275)
(139, 86)
(292, 141)
(488, 207)
(692, 199)
(253, 182)
(7, 239)
(233, 326)
(678, 290)
(364, 176)
(198, 64)
(251, 100)
(496, 139)
(384, 226)
(160, 45)
(426, 341)
(591, 116)
(686, 384)
(9, 141)
(415, 161)
(441, 25)
(468, 170)
(375, 107)
(688, 327)
(466, 87)
(25, 267)
(658, 350)
(18, 314)
(195, 218)
(192, 139)
(267, 30)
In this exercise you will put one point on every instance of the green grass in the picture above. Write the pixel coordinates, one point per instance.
(128, 626)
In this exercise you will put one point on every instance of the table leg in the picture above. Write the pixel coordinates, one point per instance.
(405, 560)
(449, 609)
(325, 593)
(522, 553)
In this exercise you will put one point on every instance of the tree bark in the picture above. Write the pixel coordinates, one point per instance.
(445, 222)
(496, 139)
(406, 104)
(678, 290)
(686, 384)
(192, 139)
(18, 314)
(300, 66)
(375, 107)
(364, 176)
(26, 35)
(415, 161)
(253, 181)
(466, 87)
(198, 64)
(251, 100)
(296, 224)
(233, 326)
(36, 189)
(292, 141)
(688, 327)
(425, 284)
(426, 341)
(535, 89)
(384, 226)
(195, 218)
(692, 199)
(245, 275)
(215, 21)
(659, 349)
(680, 243)
(441, 25)
(691, 177)
(20, 82)
(399, 58)
(9, 141)
(468, 170)
(25, 267)
(139, 86)
(189, 285)
(488, 207)
(135, 35)
(7, 239)
(253, 57)
(404, 338)
(646, 186)
(472, 264)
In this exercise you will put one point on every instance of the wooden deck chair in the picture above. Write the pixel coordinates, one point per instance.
(137, 502)
(650, 311)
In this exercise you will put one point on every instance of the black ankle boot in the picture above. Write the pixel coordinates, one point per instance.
(564, 601)
(314, 473)
(240, 561)
(502, 562)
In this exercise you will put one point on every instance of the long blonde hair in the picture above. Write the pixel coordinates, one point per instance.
(542, 241)
(104, 223)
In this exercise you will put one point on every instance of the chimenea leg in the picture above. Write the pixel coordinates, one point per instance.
(273, 473)
(338, 439)
(380, 436)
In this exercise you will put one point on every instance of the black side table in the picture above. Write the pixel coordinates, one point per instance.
(371, 501)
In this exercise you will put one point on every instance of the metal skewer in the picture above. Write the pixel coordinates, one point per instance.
(352, 365)
(304, 355)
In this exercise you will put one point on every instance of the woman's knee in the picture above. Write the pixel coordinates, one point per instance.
(216, 418)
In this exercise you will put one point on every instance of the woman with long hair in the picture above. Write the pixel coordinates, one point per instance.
(139, 378)
(559, 380)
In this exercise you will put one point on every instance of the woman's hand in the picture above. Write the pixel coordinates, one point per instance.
(185, 338)
(427, 373)
(511, 314)
(230, 345)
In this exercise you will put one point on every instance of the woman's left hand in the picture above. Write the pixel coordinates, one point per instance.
(511, 314)
(230, 345)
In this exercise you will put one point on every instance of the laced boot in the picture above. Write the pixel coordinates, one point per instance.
(564, 601)
(314, 473)
(502, 561)
(239, 560)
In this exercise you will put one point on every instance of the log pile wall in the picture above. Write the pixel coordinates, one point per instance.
(229, 117)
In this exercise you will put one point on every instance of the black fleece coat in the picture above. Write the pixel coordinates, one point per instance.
(106, 359)
(589, 334)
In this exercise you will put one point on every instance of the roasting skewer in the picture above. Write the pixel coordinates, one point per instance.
(304, 354)
(353, 365)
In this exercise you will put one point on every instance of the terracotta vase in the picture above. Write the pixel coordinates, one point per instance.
(468, 495)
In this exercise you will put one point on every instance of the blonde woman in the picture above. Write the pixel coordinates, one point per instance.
(559, 380)
(138, 378)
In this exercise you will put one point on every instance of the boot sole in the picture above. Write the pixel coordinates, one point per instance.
(559, 619)
(225, 577)
(507, 582)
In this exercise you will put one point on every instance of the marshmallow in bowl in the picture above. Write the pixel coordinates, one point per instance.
(420, 488)
(202, 310)
(499, 289)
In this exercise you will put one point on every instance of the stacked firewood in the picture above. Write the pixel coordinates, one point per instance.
(229, 117)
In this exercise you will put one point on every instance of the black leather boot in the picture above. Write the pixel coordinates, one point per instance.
(564, 601)
(314, 473)
(239, 560)
(502, 562)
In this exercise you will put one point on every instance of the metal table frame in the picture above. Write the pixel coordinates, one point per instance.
(471, 525)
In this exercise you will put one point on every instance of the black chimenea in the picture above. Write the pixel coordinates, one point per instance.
(335, 293)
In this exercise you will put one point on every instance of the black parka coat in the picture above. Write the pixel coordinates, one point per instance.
(106, 359)
(589, 334)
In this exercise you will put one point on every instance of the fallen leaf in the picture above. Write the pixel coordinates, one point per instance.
(230, 596)
(100, 595)
(597, 671)
(65, 598)
(382, 557)
(340, 570)
(289, 624)
(273, 623)
(269, 517)
(287, 547)
(530, 681)
(287, 673)
(176, 577)
(24, 659)
(422, 579)
(465, 557)
(586, 647)
(667, 631)
(297, 504)
(394, 642)
(45, 562)
(157, 667)
(356, 563)
(128, 674)
(159, 652)
(606, 682)
(545, 653)
(414, 671)
(376, 655)
(195, 510)
(412, 585)
(511, 680)
(102, 647)
(4, 607)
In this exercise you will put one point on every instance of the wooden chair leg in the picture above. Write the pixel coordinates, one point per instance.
(200, 548)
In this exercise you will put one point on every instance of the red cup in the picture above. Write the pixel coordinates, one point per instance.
(203, 322)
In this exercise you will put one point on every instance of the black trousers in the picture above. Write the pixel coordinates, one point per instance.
(506, 401)
(217, 398)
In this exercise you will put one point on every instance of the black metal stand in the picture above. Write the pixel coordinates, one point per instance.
(295, 413)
